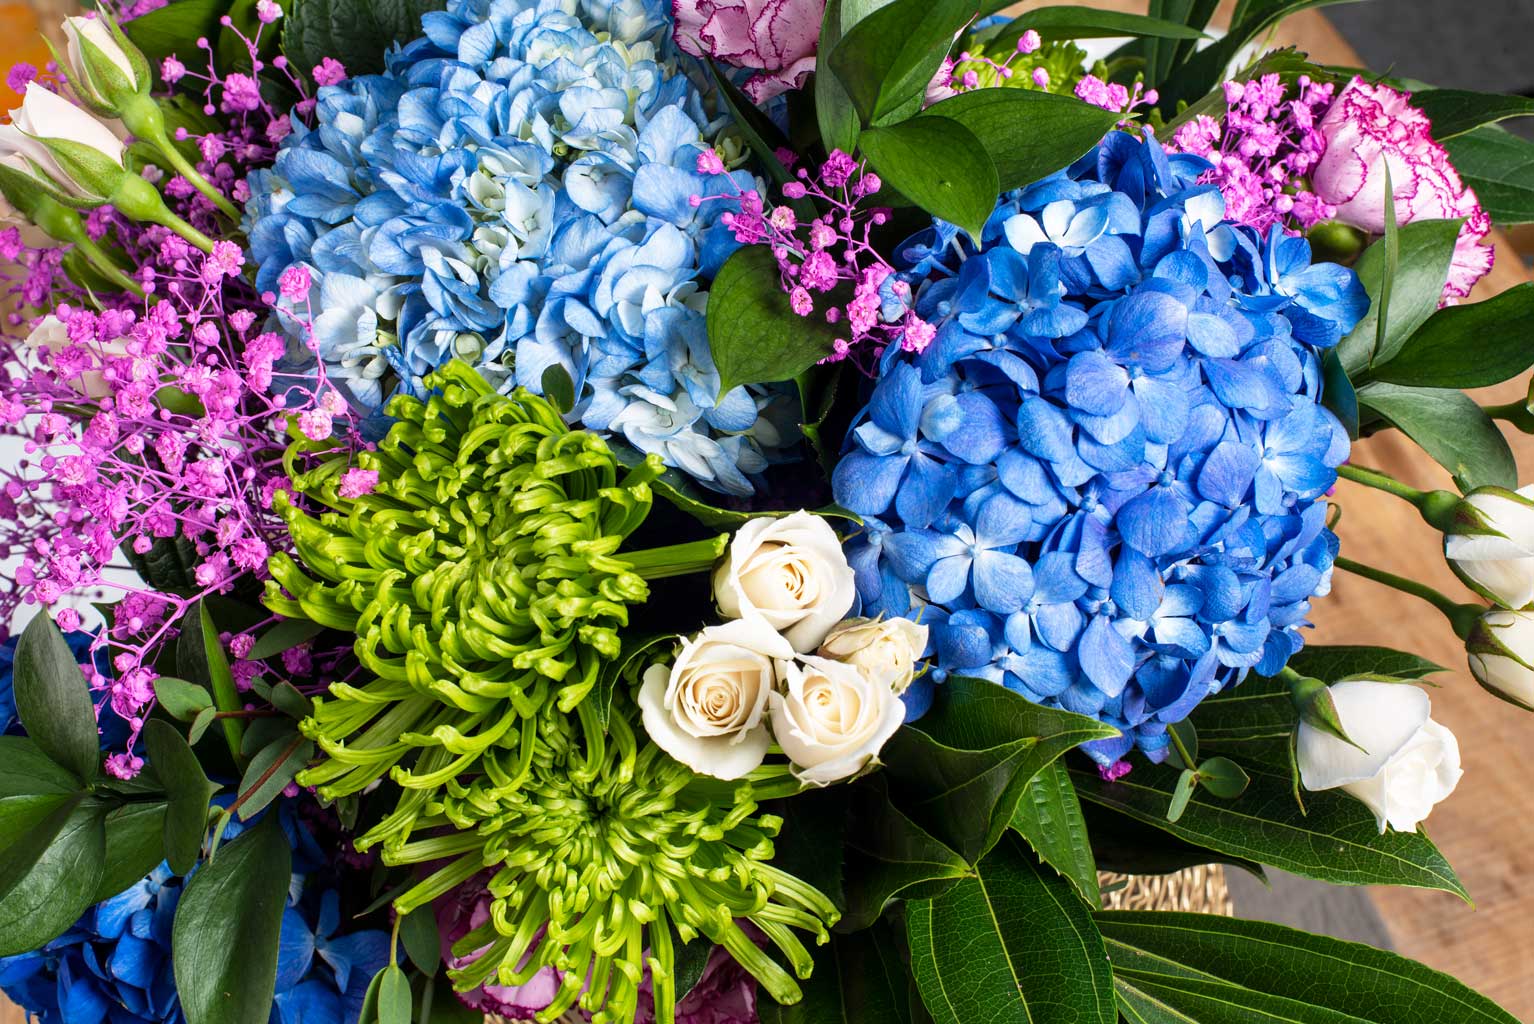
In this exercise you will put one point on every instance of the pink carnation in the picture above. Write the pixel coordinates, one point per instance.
(776, 38)
(1371, 127)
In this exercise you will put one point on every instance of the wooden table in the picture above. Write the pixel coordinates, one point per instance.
(1487, 828)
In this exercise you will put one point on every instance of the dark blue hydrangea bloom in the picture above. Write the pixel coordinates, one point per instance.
(1103, 483)
(515, 191)
(114, 965)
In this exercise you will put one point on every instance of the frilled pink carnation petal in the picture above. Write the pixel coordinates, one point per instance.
(1472, 261)
(725, 994)
(768, 84)
(776, 37)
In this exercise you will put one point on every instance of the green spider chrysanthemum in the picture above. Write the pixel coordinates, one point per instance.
(606, 850)
(481, 575)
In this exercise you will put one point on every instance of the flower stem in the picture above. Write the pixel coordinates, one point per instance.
(1461, 616)
(1516, 413)
(186, 170)
(145, 119)
(677, 559)
(1436, 507)
(1182, 750)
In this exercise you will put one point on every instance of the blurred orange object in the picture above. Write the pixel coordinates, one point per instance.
(23, 41)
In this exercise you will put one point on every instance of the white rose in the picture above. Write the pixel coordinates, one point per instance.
(51, 334)
(1501, 650)
(80, 30)
(47, 115)
(1500, 568)
(790, 572)
(882, 649)
(1408, 762)
(707, 709)
(831, 719)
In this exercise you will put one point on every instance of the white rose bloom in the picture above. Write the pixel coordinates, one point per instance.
(1501, 650)
(707, 709)
(790, 572)
(882, 649)
(79, 30)
(830, 719)
(47, 115)
(1408, 762)
(1500, 568)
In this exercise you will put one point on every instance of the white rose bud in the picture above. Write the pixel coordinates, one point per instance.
(830, 719)
(1499, 566)
(881, 649)
(707, 709)
(88, 41)
(1407, 764)
(1501, 650)
(45, 115)
(791, 572)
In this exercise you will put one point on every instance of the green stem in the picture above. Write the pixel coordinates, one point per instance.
(1461, 616)
(677, 559)
(141, 201)
(145, 120)
(186, 170)
(1436, 507)
(1182, 750)
(1516, 413)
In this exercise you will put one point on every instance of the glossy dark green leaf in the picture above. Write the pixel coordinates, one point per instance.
(1457, 111)
(224, 938)
(285, 635)
(1049, 817)
(180, 699)
(1071, 21)
(200, 659)
(187, 792)
(1337, 841)
(356, 32)
(1128, 846)
(752, 333)
(1027, 134)
(815, 824)
(1497, 329)
(286, 698)
(32, 787)
(1223, 777)
(446, 1007)
(175, 28)
(418, 934)
(1499, 166)
(888, 856)
(1330, 663)
(939, 165)
(859, 978)
(1011, 944)
(1338, 393)
(886, 60)
(50, 876)
(200, 724)
(1211, 969)
(837, 118)
(960, 772)
(271, 770)
(1253, 723)
(394, 1002)
(1450, 427)
(135, 838)
(53, 699)
(1426, 248)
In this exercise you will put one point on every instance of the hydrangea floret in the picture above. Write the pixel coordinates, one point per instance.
(1103, 484)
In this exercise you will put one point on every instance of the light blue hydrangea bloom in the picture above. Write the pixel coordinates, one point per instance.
(515, 191)
(1103, 483)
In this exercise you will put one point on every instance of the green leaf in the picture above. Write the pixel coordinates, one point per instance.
(762, 136)
(888, 857)
(286, 698)
(224, 938)
(1331, 663)
(1049, 817)
(200, 659)
(394, 1001)
(180, 699)
(1497, 330)
(1069, 21)
(135, 836)
(1223, 778)
(834, 112)
(445, 1007)
(939, 165)
(1027, 134)
(286, 635)
(1338, 393)
(32, 787)
(187, 791)
(50, 876)
(175, 28)
(1182, 792)
(271, 770)
(1499, 166)
(753, 335)
(1012, 943)
(1211, 969)
(960, 772)
(418, 934)
(355, 32)
(205, 718)
(1451, 428)
(1426, 248)
(1131, 847)
(1337, 841)
(53, 700)
(1253, 722)
(886, 60)
(1457, 111)
(859, 978)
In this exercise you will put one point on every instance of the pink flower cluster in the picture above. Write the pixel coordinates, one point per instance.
(1262, 150)
(818, 259)
(1113, 95)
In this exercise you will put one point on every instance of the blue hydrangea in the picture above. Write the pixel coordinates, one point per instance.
(1103, 483)
(516, 191)
(113, 966)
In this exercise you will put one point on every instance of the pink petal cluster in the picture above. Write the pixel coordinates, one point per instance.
(1371, 127)
(775, 38)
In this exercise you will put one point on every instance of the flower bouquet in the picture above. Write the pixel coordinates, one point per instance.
(585, 510)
